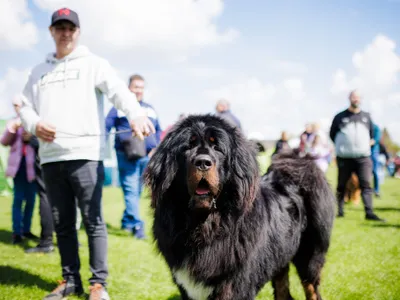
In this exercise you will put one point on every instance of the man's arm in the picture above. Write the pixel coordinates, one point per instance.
(110, 119)
(107, 81)
(371, 128)
(334, 128)
(372, 140)
(158, 131)
(117, 91)
(29, 116)
(28, 112)
(153, 114)
(383, 151)
(34, 142)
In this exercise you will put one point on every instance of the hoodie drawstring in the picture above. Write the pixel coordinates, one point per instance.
(65, 71)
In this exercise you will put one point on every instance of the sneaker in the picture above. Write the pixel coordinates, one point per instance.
(98, 292)
(29, 235)
(16, 239)
(374, 217)
(377, 195)
(64, 289)
(40, 249)
(138, 232)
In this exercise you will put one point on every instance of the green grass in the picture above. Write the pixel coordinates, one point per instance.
(363, 261)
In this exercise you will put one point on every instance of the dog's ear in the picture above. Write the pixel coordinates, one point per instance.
(245, 171)
(161, 170)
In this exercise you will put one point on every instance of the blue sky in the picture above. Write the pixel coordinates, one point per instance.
(280, 63)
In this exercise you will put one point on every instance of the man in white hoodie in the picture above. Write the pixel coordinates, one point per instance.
(63, 107)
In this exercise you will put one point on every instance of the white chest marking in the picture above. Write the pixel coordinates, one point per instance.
(195, 290)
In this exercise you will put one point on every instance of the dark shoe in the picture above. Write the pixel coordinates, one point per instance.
(16, 239)
(30, 236)
(98, 292)
(64, 289)
(138, 232)
(40, 249)
(377, 195)
(340, 214)
(374, 217)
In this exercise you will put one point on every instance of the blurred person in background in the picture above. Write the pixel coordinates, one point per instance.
(352, 133)
(21, 167)
(131, 162)
(223, 110)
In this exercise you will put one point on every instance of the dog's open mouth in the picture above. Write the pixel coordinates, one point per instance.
(203, 188)
(203, 197)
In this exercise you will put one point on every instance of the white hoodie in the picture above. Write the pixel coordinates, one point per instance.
(68, 93)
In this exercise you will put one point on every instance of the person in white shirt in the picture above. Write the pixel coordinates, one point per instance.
(63, 107)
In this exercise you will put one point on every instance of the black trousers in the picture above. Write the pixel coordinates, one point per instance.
(82, 181)
(46, 216)
(363, 168)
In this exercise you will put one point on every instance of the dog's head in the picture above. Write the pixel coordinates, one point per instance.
(204, 164)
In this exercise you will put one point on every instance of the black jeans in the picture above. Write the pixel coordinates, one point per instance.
(81, 180)
(363, 168)
(46, 217)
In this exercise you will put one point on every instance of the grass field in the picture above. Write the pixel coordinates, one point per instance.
(363, 261)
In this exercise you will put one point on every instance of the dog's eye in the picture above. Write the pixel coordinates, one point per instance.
(212, 139)
(192, 141)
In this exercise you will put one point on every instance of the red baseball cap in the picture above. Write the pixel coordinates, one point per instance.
(65, 14)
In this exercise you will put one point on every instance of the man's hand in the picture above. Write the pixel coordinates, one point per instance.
(372, 142)
(142, 126)
(45, 131)
(15, 125)
(151, 153)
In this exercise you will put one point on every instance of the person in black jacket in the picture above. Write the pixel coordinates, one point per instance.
(352, 133)
(46, 218)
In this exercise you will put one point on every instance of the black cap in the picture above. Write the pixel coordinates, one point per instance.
(65, 14)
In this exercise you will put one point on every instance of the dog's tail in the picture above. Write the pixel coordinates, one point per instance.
(318, 197)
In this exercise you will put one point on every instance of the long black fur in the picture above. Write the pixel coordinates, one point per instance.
(260, 225)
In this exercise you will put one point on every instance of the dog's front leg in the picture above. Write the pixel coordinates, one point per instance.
(223, 292)
(226, 291)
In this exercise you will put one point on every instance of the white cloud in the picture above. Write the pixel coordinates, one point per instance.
(378, 63)
(394, 99)
(376, 71)
(340, 82)
(269, 108)
(250, 90)
(17, 31)
(11, 84)
(205, 72)
(294, 86)
(156, 26)
(377, 68)
(287, 66)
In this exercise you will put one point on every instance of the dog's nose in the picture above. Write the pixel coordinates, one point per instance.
(203, 162)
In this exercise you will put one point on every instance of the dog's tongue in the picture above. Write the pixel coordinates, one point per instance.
(202, 191)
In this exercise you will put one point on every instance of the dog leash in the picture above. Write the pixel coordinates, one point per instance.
(69, 135)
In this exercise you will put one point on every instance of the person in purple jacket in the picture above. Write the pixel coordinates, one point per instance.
(21, 167)
(131, 168)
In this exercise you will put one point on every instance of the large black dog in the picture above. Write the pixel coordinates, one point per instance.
(222, 229)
